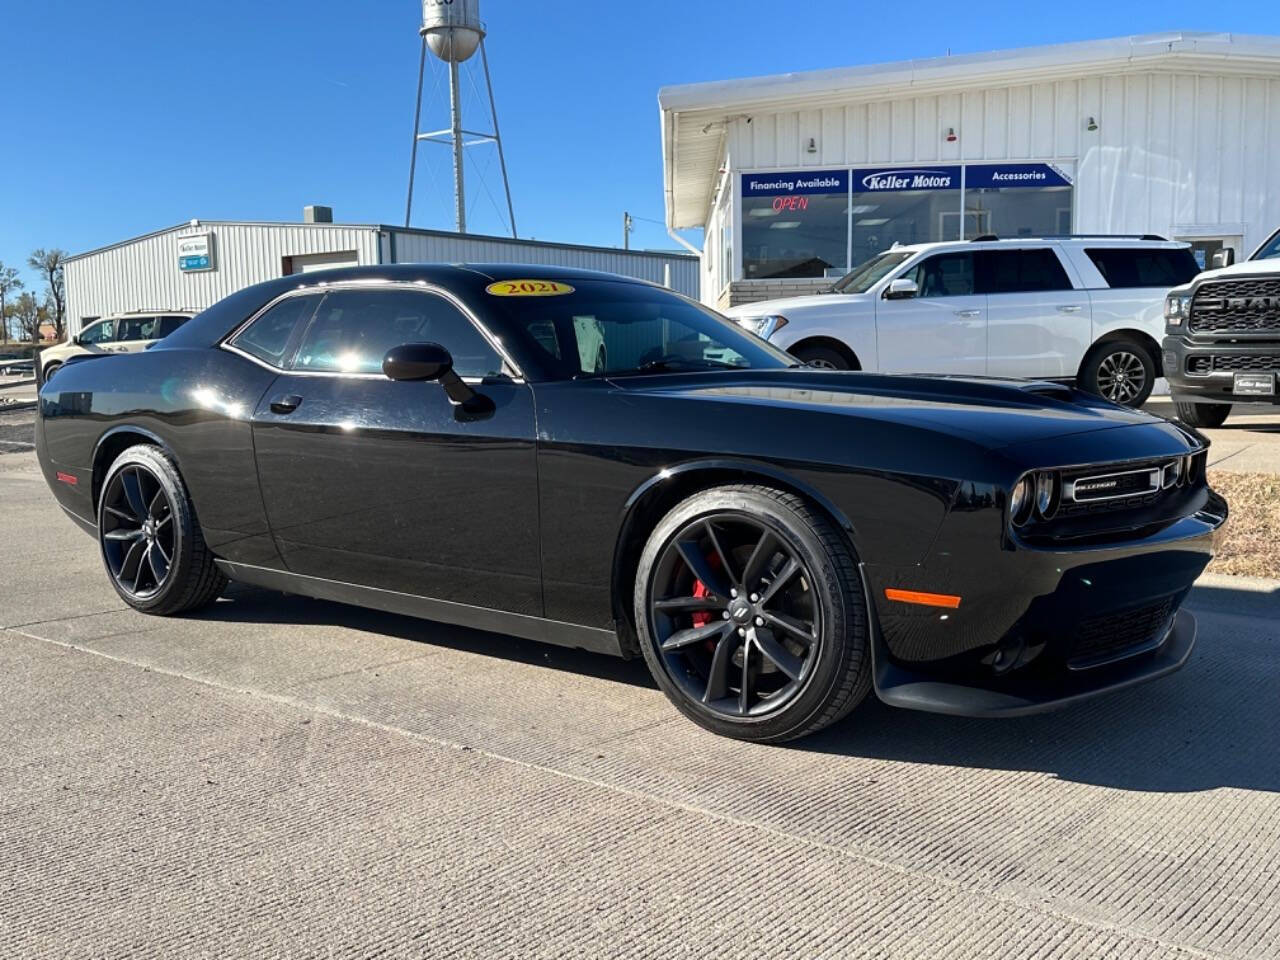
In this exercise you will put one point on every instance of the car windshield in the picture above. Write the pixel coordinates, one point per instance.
(866, 275)
(610, 328)
(1271, 249)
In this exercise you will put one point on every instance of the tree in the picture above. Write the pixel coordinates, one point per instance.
(10, 283)
(29, 313)
(49, 264)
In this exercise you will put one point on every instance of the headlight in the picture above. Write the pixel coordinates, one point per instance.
(1047, 494)
(1177, 307)
(764, 327)
(1020, 502)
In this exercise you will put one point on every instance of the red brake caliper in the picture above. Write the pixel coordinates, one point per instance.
(700, 589)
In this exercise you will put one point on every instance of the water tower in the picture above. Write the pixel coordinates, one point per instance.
(453, 32)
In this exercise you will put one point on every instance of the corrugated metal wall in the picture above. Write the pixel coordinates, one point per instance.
(427, 247)
(143, 274)
(1173, 152)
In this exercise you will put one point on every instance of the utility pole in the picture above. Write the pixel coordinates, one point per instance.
(627, 226)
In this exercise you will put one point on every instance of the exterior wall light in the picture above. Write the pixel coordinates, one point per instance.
(1091, 125)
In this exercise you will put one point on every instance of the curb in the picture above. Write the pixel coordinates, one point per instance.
(1242, 596)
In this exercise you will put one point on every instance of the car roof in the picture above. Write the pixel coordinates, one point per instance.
(466, 274)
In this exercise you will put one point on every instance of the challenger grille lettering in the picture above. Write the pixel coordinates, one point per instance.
(1096, 485)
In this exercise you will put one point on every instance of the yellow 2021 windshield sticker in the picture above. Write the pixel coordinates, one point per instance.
(528, 288)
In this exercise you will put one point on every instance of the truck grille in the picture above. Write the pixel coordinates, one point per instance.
(1220, 363)
(1113, 636)
(1248, 305)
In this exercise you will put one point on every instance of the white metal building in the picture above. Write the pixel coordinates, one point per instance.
(797, 177)
(194, 265)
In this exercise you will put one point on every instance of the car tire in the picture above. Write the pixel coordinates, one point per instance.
(50, 370)
(824, 358)
(1202, 414)
(754, 535)
(151, 543)
(1122, 371)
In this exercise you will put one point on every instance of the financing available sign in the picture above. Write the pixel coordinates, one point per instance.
(195, 253)
(791, 184)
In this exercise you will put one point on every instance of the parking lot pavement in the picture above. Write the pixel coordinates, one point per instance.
(285, 777)
(1249, 442)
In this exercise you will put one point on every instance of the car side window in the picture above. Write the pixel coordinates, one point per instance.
(1023, 271)
(268, 337)
(945, 275)
(168, 325)
(353, 330)
(135, 328)
(1127, 268)
(103, 332)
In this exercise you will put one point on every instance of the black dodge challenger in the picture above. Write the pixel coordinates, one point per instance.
(587, 460)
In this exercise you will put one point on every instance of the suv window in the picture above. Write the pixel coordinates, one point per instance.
(1127, 267)
(166, 326)
(944, 275)
(267, 338)
(1023, 271)
(353, 330)
(103, 332)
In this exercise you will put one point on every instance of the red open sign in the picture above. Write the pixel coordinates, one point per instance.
(790, 203)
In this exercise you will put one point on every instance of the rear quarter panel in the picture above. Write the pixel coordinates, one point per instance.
(197, 403)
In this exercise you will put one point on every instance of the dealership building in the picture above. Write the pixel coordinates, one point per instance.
(193, 265)
(795, 178)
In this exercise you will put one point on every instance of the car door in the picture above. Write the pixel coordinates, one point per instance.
(943, 328)
(389, 484)
(97, 337)
(1038, 323)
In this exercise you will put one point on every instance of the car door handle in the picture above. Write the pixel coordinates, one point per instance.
(1069, 308)
(286, 403)
(968, 313)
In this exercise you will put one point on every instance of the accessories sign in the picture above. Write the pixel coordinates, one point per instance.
(985, 176)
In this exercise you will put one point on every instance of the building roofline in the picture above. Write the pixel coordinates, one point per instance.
(716, 103)
(377, 228)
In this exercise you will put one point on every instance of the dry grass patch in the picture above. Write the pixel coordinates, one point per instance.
(1251, 547)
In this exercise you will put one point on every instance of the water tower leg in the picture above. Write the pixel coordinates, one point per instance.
(417, 128)
(497, 136)
(455, 98)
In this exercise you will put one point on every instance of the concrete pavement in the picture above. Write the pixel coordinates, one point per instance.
(285, 777)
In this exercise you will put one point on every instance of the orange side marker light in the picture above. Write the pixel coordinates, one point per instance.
(923, 599)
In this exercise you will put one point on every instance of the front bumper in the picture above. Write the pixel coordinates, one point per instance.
(1040, 628)
(1204, 372)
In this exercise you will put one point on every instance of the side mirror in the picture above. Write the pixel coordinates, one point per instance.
(1222, 258)
(417, 361)
(430, 361)
(902, 289)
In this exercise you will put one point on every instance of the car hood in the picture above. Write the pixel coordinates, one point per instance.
(993, 412)
(766, 307)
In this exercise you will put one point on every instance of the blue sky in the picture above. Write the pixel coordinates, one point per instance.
(121, 118)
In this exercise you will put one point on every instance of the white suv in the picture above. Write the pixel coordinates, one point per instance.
(123, 333)
(1084, 309)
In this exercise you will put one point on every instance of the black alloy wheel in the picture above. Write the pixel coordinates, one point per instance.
(751, 615)
(822, 358)
(138, 537)
(736, 619)
(152, 546)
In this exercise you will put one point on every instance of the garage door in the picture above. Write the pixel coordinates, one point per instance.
(306, 263)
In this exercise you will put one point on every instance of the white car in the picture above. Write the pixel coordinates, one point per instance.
(123, 333)
(1083, 309)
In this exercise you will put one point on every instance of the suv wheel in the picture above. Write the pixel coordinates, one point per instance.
(751, 614)
(1202, 414)
(1121, 371)
(151, 543)
(824, 358)
(50, 370)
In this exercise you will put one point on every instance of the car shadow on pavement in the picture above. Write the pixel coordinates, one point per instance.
(1215, 723)
(246, 604)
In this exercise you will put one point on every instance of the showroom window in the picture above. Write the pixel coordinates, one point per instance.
(903, 205)
(1016, 200)
(795, 224)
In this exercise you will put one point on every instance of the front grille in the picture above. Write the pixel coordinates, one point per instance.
(1247, 305)
(1113, 636)
(1258, 362)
